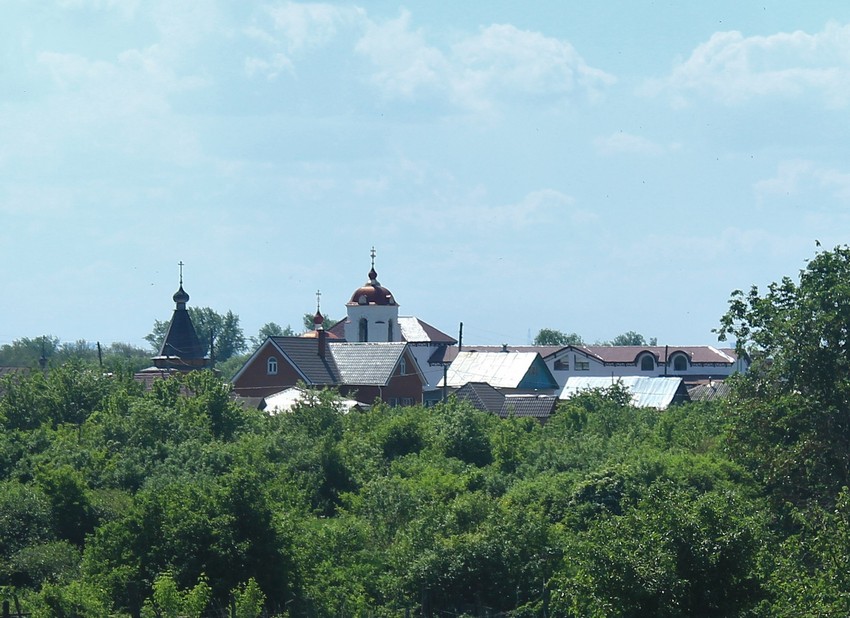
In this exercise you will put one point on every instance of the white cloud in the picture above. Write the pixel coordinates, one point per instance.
(503, 60)
(499, 63)
(798, 177)
(311, 25)
(271, 68)
(475, 72)
(626, 143)
(125, 103)
(405, 62)
(732, 68)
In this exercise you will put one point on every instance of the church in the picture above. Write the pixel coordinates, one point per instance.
(373, 352)
(181, 350)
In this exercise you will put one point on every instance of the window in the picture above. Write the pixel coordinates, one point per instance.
(407, 401)
(562, 364)
(402, 367)
(393, 401)
(647, 363)
(271, 366)
(680, 363)
(389, 330)
(582, 365)
(364, 329)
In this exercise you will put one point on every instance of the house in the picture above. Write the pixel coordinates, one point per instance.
(372, 315)
(515, 372)
(694, 364)
(365, 371)
(646, 392)
(484, 397)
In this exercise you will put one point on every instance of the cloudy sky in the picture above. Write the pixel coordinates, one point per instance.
(594, 167)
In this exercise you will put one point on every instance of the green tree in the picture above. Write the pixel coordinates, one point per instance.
(248, 600)
(309, 324)
(167, 601)
(632, 338)
(791, 415)
(271, 329)
(26, 352)
(550, 336)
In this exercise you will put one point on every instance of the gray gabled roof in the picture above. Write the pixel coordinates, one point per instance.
(481, 396)
(302, 353)
(344, 364)
(368, 364)
(534, 406)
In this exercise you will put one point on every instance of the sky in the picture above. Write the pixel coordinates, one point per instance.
(592, 167)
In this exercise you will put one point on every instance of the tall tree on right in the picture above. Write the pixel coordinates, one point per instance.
(790, 418)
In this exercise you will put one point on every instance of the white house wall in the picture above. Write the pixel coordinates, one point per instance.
(596, 368)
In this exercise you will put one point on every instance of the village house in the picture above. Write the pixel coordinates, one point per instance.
(366, 372)
(695, 365)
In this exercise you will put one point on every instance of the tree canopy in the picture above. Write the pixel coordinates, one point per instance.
(116, 501)
(550, 336)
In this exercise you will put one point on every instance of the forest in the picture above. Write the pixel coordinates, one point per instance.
(177, 501)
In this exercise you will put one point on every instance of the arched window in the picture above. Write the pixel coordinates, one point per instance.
(680, 363)
(271, 366)
(389, 330)
(364, 329)
(402, 367)
(647, 363)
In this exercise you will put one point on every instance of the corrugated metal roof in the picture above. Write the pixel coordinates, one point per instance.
(646, 392)
(287, 399)
(498, 369)
(414, 330)
(717, 389)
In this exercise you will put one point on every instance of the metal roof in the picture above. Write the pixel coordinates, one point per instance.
(286, 400)
(498, 369)
(414, 330)
(646, 392)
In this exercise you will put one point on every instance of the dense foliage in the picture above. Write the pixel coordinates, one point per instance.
(178, 502)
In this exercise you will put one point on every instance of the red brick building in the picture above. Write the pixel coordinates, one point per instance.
(365, 371)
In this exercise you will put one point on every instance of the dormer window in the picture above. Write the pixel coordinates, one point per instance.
(647, 363)
(680, 362)
(271, 366)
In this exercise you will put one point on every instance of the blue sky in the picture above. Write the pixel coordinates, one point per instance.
(590, 167)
